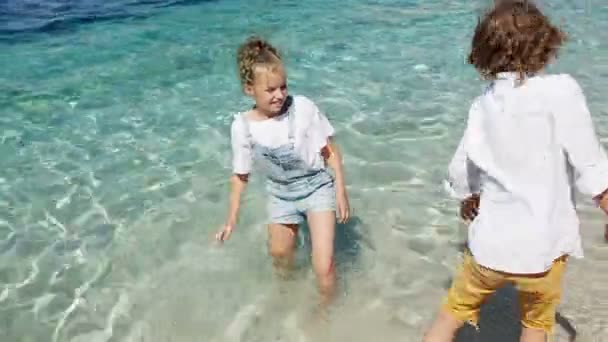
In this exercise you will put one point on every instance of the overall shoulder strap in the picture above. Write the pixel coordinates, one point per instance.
(291, 120)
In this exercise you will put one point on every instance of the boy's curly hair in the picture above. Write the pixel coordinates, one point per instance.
(253, 52)
(515, 36)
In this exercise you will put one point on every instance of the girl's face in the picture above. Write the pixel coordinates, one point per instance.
(269, 89)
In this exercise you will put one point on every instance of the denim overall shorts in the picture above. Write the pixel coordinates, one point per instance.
(294, 188)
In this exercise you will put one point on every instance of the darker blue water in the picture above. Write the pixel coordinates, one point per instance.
(25, 20)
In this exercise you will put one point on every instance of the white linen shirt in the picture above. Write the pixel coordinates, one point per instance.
(524, 149)
(311, 132)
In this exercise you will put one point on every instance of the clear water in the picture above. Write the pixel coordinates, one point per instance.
(114, 161)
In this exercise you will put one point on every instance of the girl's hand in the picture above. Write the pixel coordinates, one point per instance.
(469, 208)
(343, 207)
(224, 233)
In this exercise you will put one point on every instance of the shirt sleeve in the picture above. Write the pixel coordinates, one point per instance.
(463, 178)
(315, 133)
(584, 150)
(321, 124)
(241, 147)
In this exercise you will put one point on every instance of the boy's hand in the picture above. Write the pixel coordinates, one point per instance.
(469, 208)
(602, 201)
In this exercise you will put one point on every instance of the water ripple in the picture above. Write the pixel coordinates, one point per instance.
(115, 163)
(52, 17)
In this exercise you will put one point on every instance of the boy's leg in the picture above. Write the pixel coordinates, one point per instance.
(444, 328)
(539, 297)
(322, 231)
(471, 286)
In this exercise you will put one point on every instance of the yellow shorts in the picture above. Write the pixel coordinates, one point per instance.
(539, 294)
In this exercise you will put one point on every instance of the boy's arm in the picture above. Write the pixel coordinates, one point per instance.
(584, 150)
(463, 176)
(463, 183)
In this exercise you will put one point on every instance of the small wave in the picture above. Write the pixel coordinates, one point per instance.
(27, 20)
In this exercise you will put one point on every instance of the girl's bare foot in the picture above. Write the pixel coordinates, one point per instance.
(316, 324)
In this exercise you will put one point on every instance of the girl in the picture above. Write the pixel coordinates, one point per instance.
(291, 142)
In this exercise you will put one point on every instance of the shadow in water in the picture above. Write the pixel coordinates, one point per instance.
(499, 319)
(347, 243)
(567, 326)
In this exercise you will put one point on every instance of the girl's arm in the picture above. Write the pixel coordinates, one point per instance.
(333, 157)
(241, 166)
(238, 183)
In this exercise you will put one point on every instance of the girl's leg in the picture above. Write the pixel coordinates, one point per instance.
(281, 246)
(322, 231)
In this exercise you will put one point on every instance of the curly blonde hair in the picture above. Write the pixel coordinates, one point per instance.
(255, 52)
(515, 36)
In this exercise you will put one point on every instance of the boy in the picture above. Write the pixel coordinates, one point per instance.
(529, 140)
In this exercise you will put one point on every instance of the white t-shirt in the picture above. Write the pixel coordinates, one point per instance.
(525, 148)
(311, 131)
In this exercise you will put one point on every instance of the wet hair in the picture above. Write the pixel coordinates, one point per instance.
(514, 36)
(255, 52)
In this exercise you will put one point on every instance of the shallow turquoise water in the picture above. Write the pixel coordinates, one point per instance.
(115, 159)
